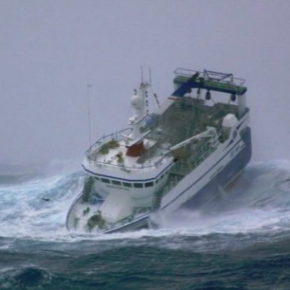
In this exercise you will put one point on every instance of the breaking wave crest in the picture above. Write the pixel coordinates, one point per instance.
(258, 202)
(37, 207)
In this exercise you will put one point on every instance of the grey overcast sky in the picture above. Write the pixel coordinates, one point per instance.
(51, 49)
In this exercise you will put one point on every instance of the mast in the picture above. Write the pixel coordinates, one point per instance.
(138, 102)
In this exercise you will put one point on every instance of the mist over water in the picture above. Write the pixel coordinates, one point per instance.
(251, 222)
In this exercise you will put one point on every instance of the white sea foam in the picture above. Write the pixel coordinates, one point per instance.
(260, 202)
(24, 212)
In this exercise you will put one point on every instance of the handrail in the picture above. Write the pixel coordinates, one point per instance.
(130, 168)
(94, 151)
(207, 75)
(117, 136)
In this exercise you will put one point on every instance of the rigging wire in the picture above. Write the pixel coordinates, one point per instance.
(151, 88)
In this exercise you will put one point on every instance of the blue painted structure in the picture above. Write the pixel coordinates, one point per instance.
(208, 80)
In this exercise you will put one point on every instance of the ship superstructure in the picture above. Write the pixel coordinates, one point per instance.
(188, 147)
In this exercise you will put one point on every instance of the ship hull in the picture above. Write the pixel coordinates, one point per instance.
(213, 188)
(199, 198)
(136, 224)
(223, 179)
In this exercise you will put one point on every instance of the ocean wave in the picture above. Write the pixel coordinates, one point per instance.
(259, 202)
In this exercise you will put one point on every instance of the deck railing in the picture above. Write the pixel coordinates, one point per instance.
(211, 76)
(209, 80)
(94, 152)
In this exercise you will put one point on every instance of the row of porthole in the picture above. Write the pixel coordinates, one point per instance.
(128, 184)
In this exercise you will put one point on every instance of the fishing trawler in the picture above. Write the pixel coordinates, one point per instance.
(187, 150)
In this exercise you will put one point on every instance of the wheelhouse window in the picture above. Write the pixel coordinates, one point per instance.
(138, 185)
(127, 184)
(116, 182)
(149, 184)
(105, 180)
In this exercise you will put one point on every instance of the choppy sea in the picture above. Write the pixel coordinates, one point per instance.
(238, 241)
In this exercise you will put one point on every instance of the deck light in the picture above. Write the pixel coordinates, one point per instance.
(233, 97)
(207, 95)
